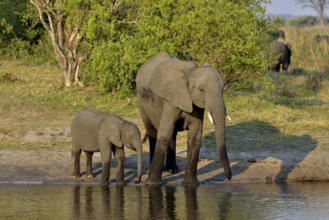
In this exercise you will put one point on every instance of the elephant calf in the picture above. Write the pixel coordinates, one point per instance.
(95, 131)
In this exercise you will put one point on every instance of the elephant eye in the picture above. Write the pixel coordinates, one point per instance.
(201, 90)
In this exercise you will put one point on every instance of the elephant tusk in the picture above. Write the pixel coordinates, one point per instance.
(212, 121)
(210, 118)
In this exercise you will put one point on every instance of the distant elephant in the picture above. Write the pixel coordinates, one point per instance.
(282, 53)
(318, 38)
(276, 34)
(172, 96)
(93, 131)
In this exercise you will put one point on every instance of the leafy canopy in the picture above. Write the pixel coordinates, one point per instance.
(120, 35)
(228, 34)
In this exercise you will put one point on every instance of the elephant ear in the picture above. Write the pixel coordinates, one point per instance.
(169, 82)
(115, 137)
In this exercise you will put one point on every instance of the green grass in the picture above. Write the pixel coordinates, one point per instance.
(292, 111)
(33, 98)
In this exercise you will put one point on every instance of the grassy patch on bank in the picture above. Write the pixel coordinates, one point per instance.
(291, 111)
(33, 98)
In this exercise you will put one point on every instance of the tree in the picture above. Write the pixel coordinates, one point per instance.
(76, 27)
(318, 5)
(118, 36)
(227, 34)
(21, 32)
(65, 37)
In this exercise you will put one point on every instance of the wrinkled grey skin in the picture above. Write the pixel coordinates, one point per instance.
(282, 53)
(93, 131)
(172, 96)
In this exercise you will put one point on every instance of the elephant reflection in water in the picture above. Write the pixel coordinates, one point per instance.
(87, 210)
(88, 207)
(118, 202)
(161, 207)
(164, 204)
(191, 202)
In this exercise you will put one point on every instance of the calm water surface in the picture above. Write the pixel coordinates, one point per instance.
(222, 201)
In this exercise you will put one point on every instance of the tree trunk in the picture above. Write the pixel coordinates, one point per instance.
(65, 40)
(321, 22)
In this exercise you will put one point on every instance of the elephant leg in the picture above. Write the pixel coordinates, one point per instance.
(157, 164)
(171, 165)
(76, 164)
(152, 143)
(106, 155)
(277, 67)
(150, 131)
(119, 160)
(165, 132)
(89, 164)
(285, 66)
(193, 149)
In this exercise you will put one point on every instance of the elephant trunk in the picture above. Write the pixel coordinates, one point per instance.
(218, 113)
(139, 163)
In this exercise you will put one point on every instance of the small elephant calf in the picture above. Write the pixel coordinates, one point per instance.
(95, 131)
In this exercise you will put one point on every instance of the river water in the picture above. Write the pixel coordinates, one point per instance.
(220, 201)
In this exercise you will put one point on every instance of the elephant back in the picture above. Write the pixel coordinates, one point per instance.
(145, 72)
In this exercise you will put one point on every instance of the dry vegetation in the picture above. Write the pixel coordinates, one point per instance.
(307, 53)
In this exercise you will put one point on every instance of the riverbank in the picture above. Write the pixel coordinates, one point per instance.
(54, 166)
(274, 137)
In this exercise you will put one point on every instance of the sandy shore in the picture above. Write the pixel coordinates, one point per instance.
(52, 166)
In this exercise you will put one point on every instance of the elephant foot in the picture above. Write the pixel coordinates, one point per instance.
(228, 175)
(171, 168)
(104, 183)
(153, 182)
(120, 183)
(75, 176)
(190, 182)
(137, 180)
(90, 176)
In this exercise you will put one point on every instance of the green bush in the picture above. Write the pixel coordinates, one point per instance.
(113, 67)
(118, 39)
(229, 35)
(21, 33)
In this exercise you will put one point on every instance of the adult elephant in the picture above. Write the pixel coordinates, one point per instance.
(172, 96)
(282, 53)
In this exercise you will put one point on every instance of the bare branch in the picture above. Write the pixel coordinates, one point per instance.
(38, 5)
(65, 40)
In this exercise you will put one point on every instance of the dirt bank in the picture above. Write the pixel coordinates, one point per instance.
(53, 166)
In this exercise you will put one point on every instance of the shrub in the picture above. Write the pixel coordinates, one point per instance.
(229, 35)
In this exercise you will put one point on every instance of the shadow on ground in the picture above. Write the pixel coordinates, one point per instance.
(252, 141)
(248, 143)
